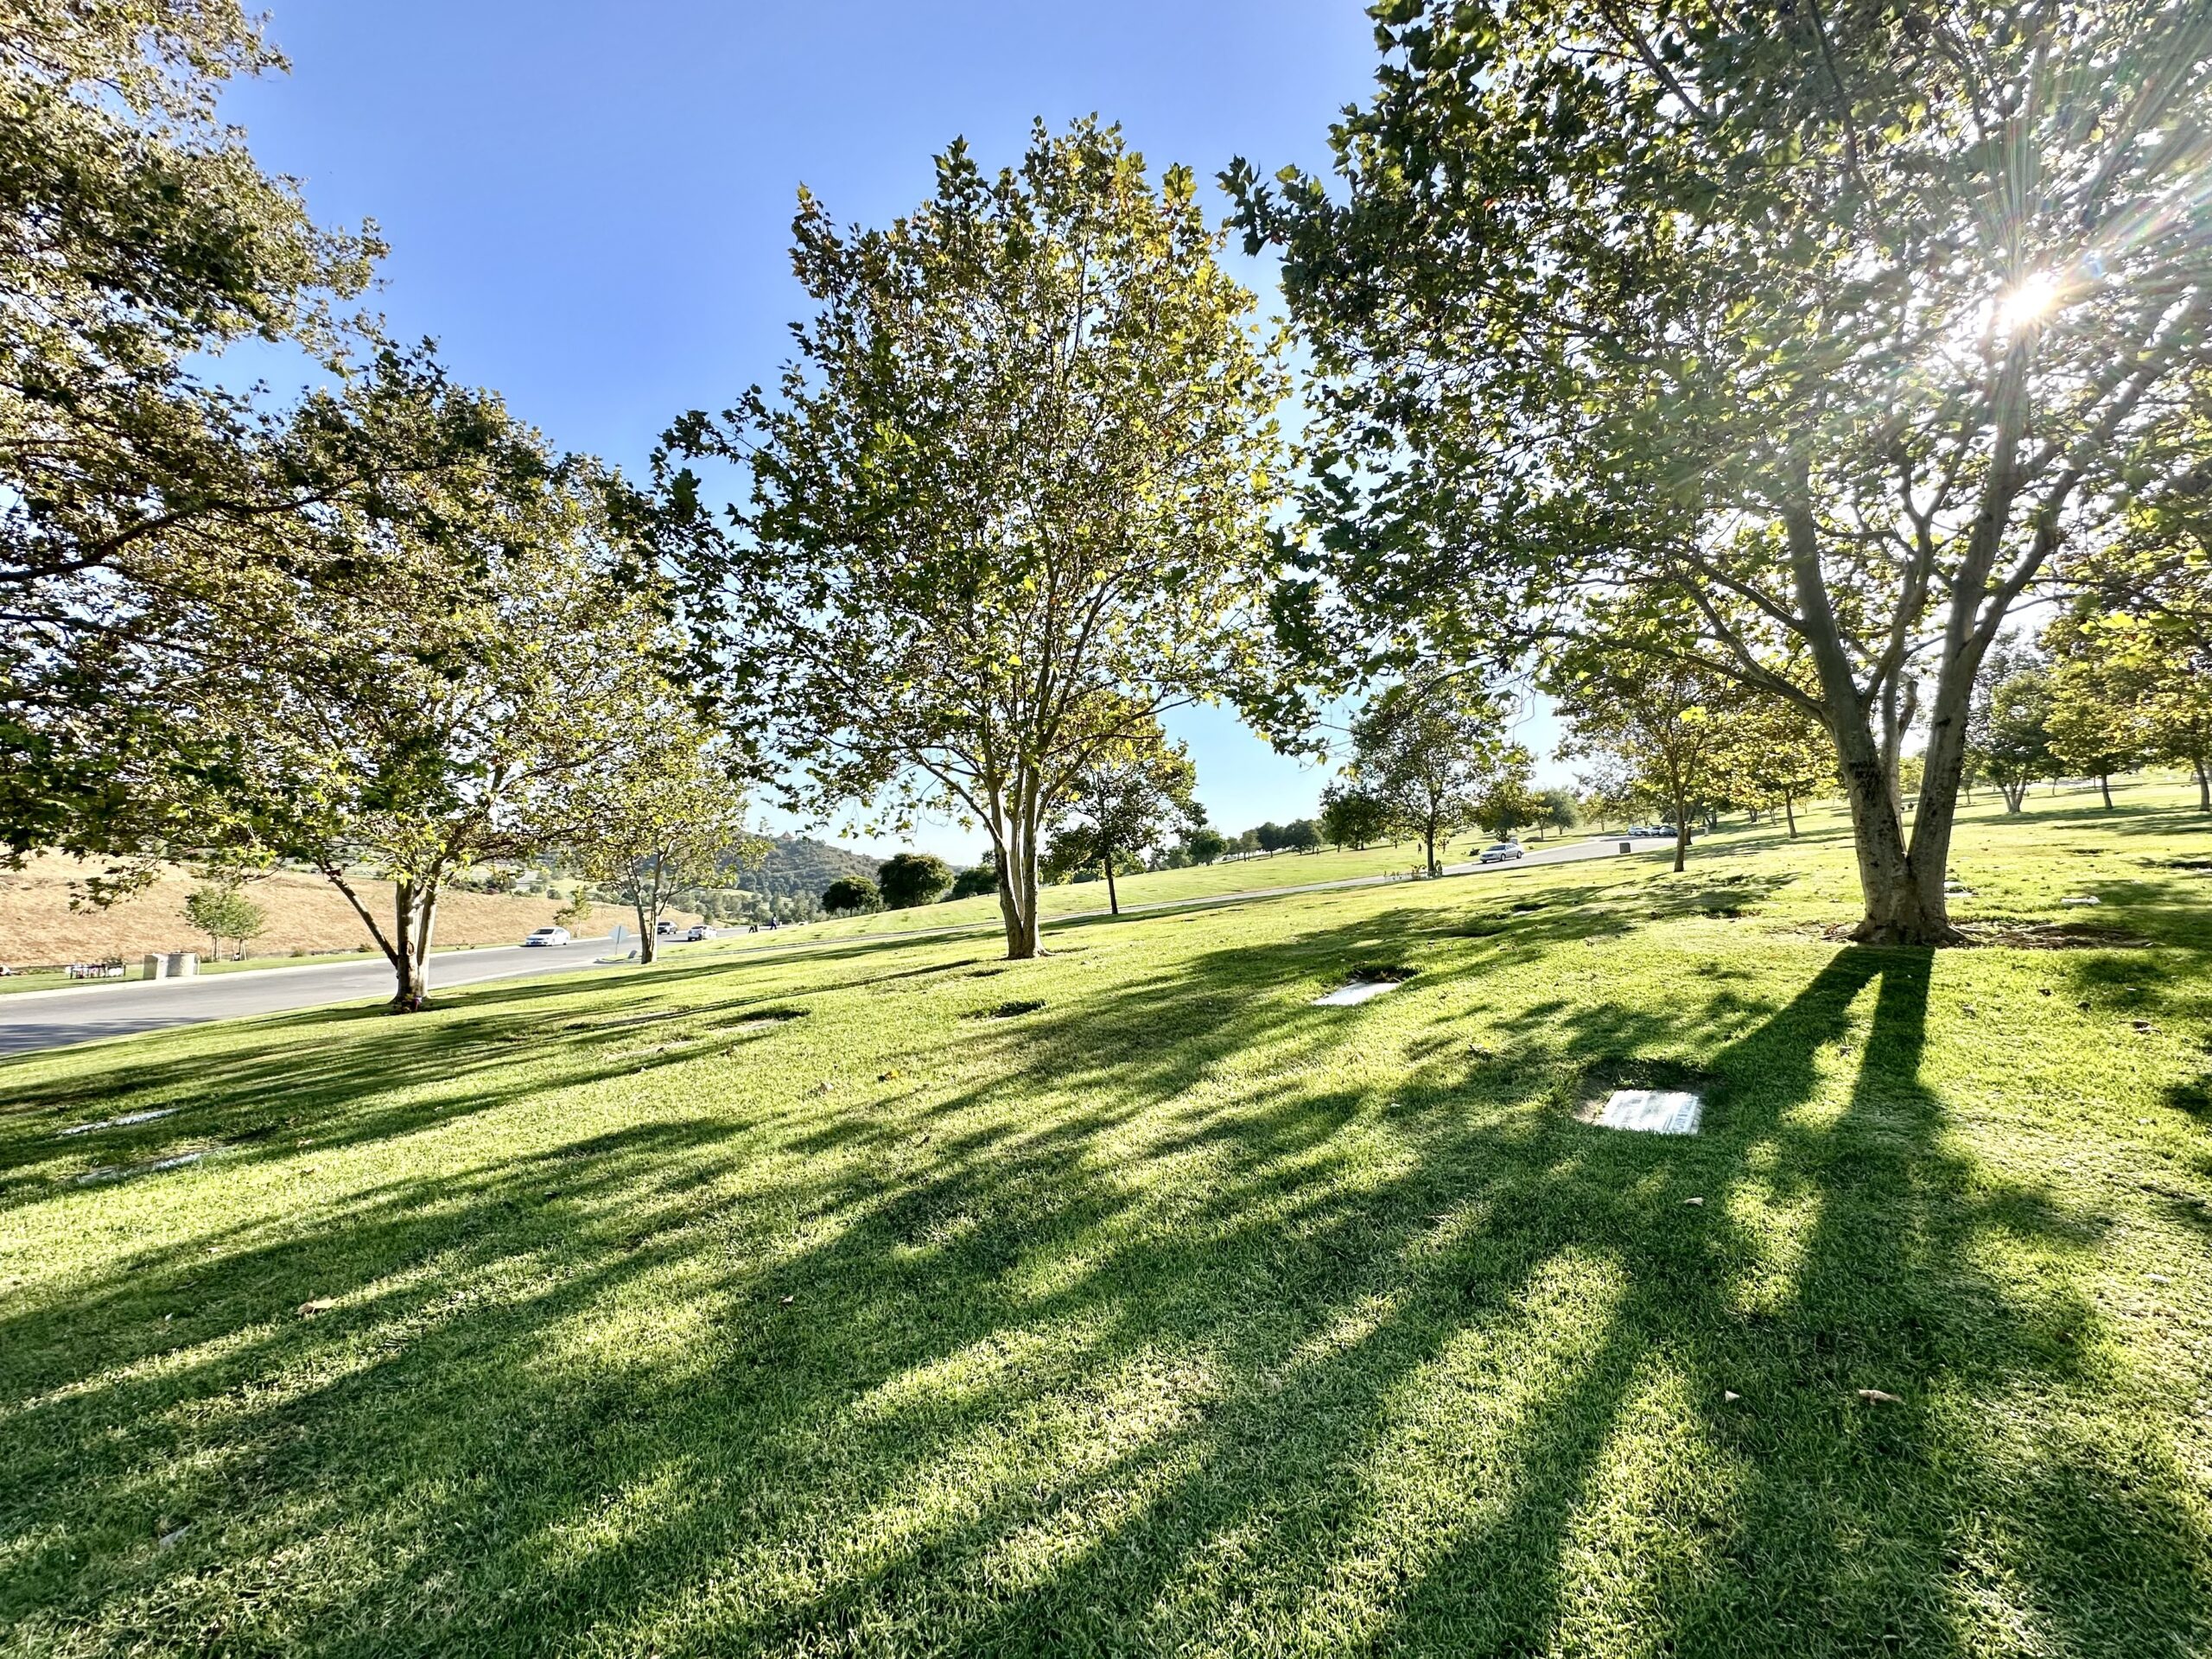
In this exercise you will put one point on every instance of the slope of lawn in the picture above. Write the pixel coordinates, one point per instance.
(892, 1299)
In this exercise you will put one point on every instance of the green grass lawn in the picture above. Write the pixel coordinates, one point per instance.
(892, 1298)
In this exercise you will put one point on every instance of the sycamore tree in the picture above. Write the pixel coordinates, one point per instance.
(851, 895)
(1430, 751)
(1204, 844)
(436, 718)
(1667, 726)
(1010, 505)
(1127, 799)
(221, 910)
(660, 809)
(2142, 604)
(2012, 746)
(2098, 690)
(1773, 753)
(139, 240)
(1818, 331)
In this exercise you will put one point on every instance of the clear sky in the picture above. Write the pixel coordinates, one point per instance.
(589, 200)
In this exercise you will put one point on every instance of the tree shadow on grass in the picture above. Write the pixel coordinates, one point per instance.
(1147, 1336)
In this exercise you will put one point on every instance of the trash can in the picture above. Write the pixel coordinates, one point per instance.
(157, 965)
(1628, 847)
(183, 964)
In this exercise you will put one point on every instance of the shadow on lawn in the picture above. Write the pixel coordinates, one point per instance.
(1145, 1341)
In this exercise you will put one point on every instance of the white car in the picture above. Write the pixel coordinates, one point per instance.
(549, 935)
(698, 934)
(1499, 852)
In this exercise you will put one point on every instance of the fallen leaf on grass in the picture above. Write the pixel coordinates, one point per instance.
(1695, 1201)
(1877, 1397)
(1729, 1396)
(320, 1304)
(787, 1301)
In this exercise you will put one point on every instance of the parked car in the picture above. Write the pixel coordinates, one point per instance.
(1499, 852)
(698, 934)
(549, 935)
(663, 930)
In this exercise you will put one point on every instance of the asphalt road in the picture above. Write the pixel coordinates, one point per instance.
(31, 1021)
(84, 1013)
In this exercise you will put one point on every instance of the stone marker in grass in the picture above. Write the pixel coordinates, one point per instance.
(1652, 1111)
(1358, 991)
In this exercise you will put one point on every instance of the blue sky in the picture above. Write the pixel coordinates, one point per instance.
(589, 201)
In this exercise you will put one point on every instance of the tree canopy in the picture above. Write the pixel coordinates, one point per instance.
(1429, 751)
(1124, 802)
(1010, 505)
(908, 880)
(1813, 333)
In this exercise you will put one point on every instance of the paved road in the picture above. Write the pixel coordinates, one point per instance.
(84, 1014)
(30, 1020)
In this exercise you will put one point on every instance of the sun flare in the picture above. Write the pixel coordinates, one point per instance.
(2033, 299)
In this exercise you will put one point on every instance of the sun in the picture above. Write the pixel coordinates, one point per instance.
(2031, 300)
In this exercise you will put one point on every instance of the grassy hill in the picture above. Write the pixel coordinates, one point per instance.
(888, 1298)
(796, 866)
(306, 914)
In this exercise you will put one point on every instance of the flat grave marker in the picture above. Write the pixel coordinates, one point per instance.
(1358, 991)
(1652, 1111)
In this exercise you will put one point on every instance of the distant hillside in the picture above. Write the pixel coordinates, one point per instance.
(305, 913)
(798, 867)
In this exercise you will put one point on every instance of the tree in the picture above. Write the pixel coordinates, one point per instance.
(851, 895)
(576, 913)
(1204, 844)
(975, 881)
(1668, 725)
(220, 909)
(1557, 809)
(2013, 744)
(1507, 802)
(1271, 836)
(1349, 818)
(431, 715)
(1815, 332)
(661, 809)
(1428, 749)
(908, 880)
(1609, 787)
(1012, 503)
(1302, 835)
(2145, 603)
(1246, 844)
(2094, 724)
(1124, 802)
(1771, 751)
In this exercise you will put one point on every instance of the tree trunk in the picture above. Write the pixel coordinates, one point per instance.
(2104, 788)
(426, 924)
(1682, 835)
(1113, 899)
(1018, 882)
(1790, 810)
(1901, 886)
(2203, 785)
(410, 992)
(2015, 794)
(646, 902)
(1428, 843)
